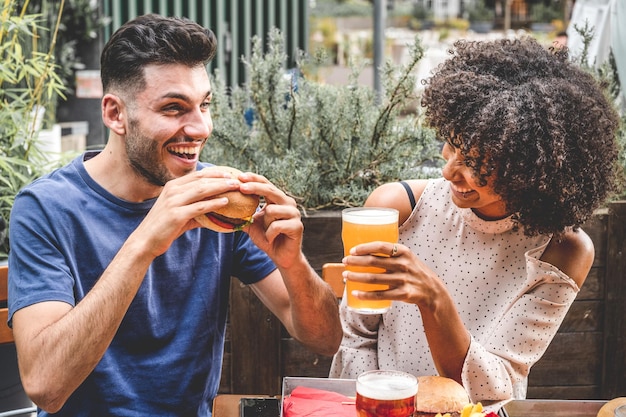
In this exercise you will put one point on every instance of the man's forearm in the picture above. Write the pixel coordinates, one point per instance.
(59, 356)
(314, 309)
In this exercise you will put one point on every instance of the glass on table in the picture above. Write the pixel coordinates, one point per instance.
(382, 393)
(363, 225)
(620, 411)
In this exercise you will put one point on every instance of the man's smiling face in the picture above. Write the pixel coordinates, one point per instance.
(168, 122)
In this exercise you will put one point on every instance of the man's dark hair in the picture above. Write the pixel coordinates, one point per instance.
(541, 127)
(153, 39)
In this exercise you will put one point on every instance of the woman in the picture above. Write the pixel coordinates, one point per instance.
(491, 256)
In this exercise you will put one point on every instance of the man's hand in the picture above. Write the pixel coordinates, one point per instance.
(277, 228)
(181, 200)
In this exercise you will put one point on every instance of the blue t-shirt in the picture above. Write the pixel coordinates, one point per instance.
(166, 357)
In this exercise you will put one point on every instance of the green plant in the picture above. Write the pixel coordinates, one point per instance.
(480, 12)
(421, 17)
(327, 146)
(606, 74)
(421, 12)
(28, 83)
(541, 12)
(76, 22)
(324, 34)
(459, 24)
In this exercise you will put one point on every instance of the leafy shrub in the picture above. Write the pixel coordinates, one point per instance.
(328, 146)
(421, 12)
(28, 83)
(541, 12)
(480, 12)
(606, 74)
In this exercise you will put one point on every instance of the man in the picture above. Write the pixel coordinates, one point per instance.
(118, 296)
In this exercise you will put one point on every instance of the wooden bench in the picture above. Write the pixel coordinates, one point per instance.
(13, 399)
(6, 334)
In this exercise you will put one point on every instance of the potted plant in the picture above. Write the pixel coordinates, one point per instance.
(38, 44)
(28, 86)
(543, 16)
(327, 146)
(422, 18)
(481, 17)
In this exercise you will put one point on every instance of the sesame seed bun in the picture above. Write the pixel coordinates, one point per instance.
(437, 394)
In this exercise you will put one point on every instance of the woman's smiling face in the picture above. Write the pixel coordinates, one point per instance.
(466, 190)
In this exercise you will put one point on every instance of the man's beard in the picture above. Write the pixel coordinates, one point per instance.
(143, 156)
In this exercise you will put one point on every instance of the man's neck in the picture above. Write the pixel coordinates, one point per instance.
(112, 172)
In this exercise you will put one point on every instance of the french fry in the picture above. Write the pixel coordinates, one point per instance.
(467, 410)
(472, 410)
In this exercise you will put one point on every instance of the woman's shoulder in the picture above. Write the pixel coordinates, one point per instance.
(572, 253)
(395, 195)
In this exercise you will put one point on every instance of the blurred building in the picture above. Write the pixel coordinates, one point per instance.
(451, 9)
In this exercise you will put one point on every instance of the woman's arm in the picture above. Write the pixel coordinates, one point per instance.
(497, 364)
(573, 253)
(394, 195)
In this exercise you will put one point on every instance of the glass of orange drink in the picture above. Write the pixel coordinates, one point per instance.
(362, 225)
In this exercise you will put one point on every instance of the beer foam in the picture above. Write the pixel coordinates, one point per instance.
(386, 386)
(371, 216)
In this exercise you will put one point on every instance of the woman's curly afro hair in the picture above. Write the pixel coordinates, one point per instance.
(536, 123)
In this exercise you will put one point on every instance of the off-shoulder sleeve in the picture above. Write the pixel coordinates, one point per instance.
(497, 365)
(358, 350)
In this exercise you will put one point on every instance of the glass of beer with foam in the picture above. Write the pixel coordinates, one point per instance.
(362, 225)
(383, 393)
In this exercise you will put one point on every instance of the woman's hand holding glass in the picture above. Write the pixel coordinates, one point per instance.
(405, 278)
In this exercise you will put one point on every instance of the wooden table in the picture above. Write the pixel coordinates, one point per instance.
(227, 405)
(556, 408)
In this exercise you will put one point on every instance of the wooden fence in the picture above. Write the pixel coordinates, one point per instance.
(586, 359)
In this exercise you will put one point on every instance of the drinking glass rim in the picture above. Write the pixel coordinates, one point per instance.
(391, 389)
(390, 372)
(366, 208)
(370, 215)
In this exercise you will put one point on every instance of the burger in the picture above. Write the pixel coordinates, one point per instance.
(234, 216)
(439, 395)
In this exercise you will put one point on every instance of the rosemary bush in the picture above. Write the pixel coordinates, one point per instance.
(607, 76)
(327, 146)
